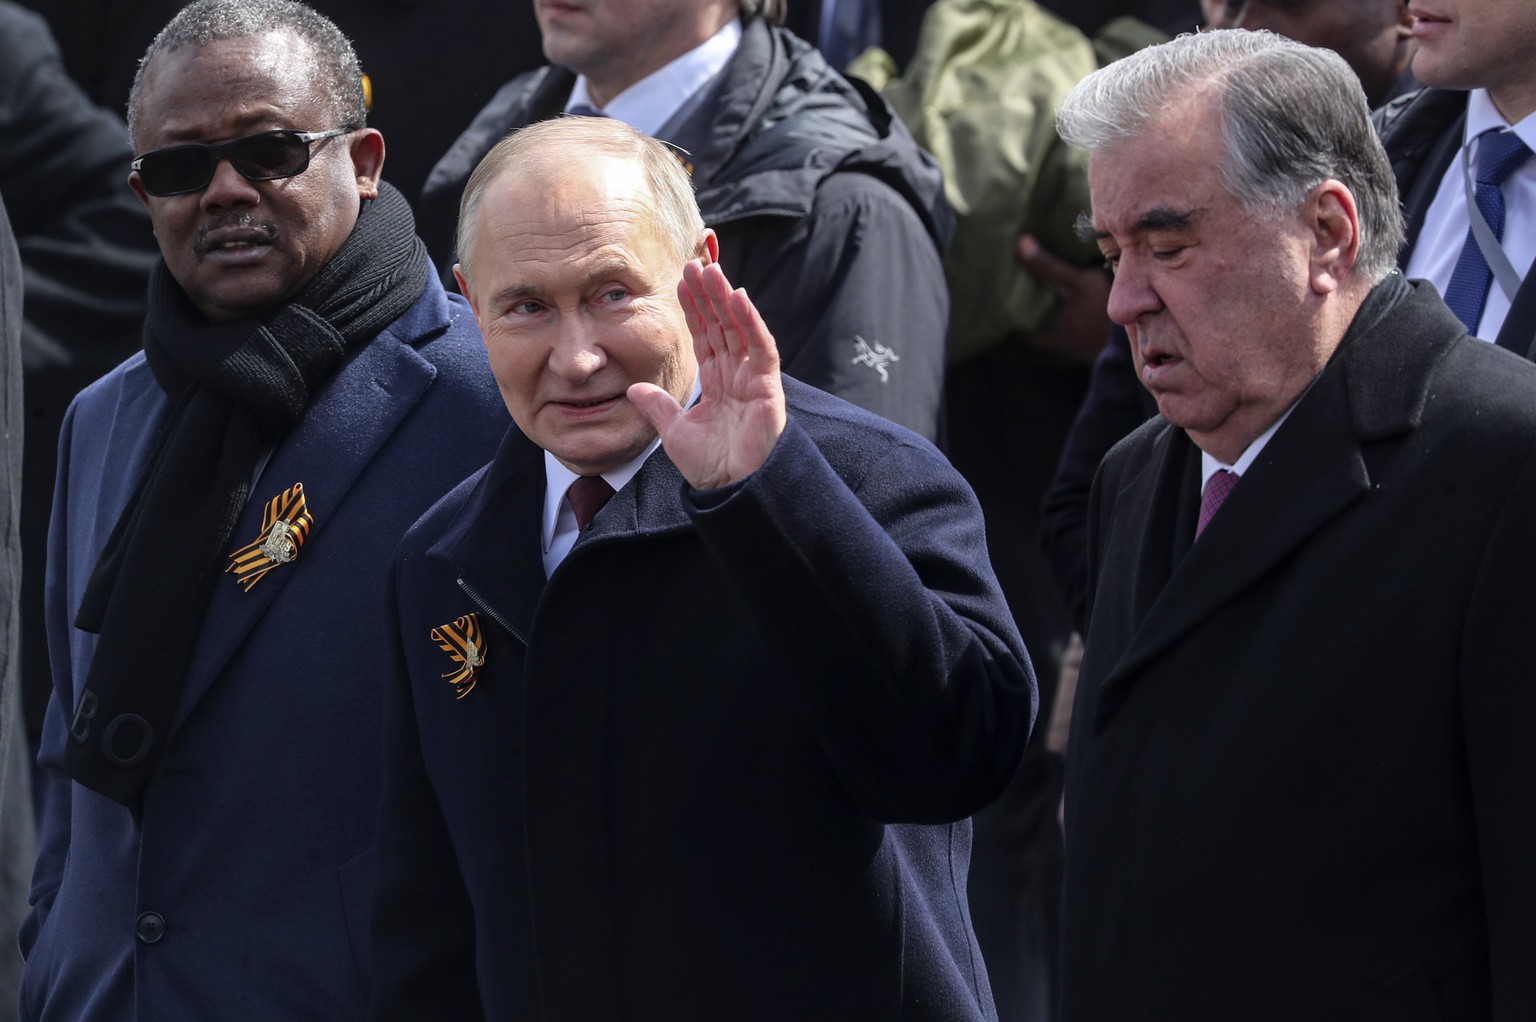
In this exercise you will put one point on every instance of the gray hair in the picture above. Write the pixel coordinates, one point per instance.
(566, 141)
(337, 73)
(1292, 116)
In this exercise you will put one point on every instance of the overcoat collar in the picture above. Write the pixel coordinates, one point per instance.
(493, 544)
(340, 434)
(1315, 467)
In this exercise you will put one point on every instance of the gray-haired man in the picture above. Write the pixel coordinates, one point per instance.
(1299, 781)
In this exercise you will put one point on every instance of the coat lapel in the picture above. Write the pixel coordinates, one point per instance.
(340, 434)
(494, 547)
(1518, 333)
(1310, 472)
(1418, 196)
(650, 504)
(1281, 501)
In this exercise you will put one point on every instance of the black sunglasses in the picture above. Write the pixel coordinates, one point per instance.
(264, 156)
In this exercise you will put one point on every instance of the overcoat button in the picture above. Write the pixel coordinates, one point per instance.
(150, 927)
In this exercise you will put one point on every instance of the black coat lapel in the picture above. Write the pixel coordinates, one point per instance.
(1311, 471)
(494, 546)
(1518, 333)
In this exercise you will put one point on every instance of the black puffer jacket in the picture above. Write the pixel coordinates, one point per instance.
(828, 214)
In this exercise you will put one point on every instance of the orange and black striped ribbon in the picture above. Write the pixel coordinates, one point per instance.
(465, 646)
(285, 525)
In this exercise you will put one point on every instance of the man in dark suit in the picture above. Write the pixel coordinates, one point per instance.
(1299, 784)
(1463, 146)
(225, 506)
(708, 751)
(827, 210)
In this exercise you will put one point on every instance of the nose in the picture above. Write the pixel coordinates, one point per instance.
(1131, 294)
(577, 353)
(228, 187)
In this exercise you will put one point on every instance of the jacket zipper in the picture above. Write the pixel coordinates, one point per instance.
(491, 612)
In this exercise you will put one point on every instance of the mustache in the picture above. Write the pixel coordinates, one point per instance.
(244, 223)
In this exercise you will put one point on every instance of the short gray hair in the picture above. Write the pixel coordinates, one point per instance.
(567, 141)
(337, 73)
(1292, 116)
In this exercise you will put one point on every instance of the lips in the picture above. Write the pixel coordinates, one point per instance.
(1157, 363)
(558, 8)
(579, 407)
(1426, 23)
(215, 239)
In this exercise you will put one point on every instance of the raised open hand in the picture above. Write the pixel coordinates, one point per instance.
(728, 433)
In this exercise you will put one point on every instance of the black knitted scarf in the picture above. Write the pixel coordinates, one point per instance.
(234, 389)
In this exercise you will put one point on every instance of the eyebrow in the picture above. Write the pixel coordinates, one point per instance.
(517, 292)
(1158, 218)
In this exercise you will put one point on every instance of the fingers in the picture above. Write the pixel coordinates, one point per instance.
(656, 405)
(716, 292)
(762, 352)
(1045, 266)
(723, 321)
(693, 312)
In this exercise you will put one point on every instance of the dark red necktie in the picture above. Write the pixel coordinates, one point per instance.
(1215, 494)
(587, 495)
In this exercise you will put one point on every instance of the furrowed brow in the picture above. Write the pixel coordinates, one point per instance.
(1162, 218)
(515, 293)
(1159, 218)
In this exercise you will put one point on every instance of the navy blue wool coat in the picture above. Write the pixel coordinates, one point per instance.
(241, 890)
(719, 765)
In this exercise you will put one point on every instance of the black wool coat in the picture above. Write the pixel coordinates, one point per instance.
(1301, 782)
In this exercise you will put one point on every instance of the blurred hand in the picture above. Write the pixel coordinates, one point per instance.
(1081, 324)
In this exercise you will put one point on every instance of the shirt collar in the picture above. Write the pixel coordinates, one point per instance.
(558, 479)
(650, 103)
(1209, 465)
(1483, 116)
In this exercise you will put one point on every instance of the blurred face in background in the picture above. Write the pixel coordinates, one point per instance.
(1373, 36)
(1479, 44)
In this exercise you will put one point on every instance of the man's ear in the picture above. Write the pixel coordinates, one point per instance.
(709, 248)
(464, 289)
(367, 149)
(1404, 19)
(1334, 223)
(138, 187)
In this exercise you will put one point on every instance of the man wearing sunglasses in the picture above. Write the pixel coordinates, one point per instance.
(224, 514)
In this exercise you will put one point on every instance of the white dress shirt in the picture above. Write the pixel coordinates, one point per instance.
(1209, 465)
(650, 103)
(558, 530)
(1445, 224)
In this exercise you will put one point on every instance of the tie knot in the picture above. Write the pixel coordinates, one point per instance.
(1213, 496)
(582, 110)
(1499, 154)
(587, 495)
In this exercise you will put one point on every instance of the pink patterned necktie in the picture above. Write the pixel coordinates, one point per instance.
(587, 495)
(1216, 489)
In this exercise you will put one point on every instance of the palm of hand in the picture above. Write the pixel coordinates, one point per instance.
(729, 432)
